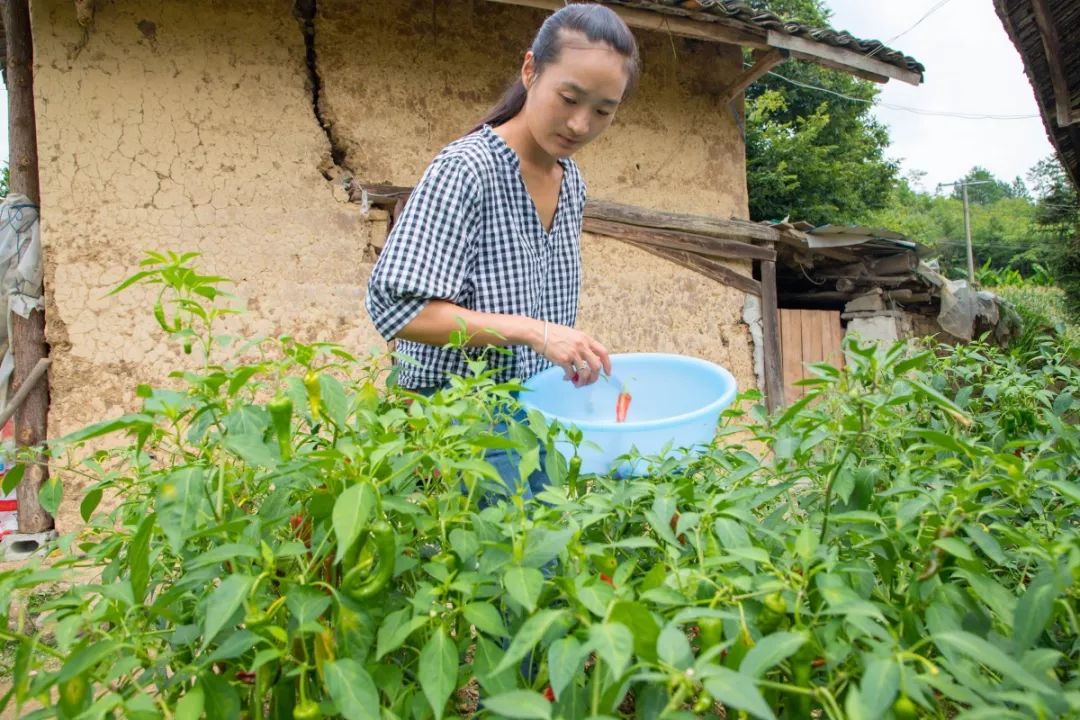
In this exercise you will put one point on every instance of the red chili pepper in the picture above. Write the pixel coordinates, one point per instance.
(604, 577)
(622, 406)
(549, 694)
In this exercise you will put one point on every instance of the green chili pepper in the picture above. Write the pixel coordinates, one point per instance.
(710, 632)
(281, 409)
(307, 710)
(314, 393)
(572, 475)
(704, 703)
(905, 709)
(802, 667)
(255, 619)
(358, 584)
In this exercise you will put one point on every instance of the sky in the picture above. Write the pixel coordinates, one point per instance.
(971, 67)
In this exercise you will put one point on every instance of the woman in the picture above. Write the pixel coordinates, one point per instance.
(490, 236)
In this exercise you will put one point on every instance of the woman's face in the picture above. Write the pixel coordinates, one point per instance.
(574, 99)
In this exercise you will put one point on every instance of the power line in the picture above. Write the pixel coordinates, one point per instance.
(891, 106)
(918, 22)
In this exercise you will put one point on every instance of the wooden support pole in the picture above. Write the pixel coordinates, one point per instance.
(770, 325)
(1055, 63)
(27, 334)
(763, 63)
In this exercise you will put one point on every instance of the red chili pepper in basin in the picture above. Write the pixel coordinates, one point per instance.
(622, 406)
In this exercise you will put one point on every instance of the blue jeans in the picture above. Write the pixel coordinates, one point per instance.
(506, 462)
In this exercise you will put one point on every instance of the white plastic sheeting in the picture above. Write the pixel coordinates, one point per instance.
(20, 274)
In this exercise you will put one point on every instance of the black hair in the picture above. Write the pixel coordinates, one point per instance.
(596, 22)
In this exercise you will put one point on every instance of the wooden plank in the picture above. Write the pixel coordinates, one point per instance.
(730, 229)
(811, 337)
(27, 334)
(717, 31)
(677, 240)
(1055, 62)
(710, 268)
(791, 353)
(835, 353)
(771, 344)
(698, 224)
(847, 59)
(763, 64)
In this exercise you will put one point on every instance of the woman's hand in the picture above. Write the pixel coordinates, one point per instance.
(580, 356)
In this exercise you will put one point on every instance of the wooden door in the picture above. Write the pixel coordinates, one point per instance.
(807, 336)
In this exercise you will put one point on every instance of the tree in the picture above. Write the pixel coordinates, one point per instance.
(1057, 222)
(811, 155)
(991, 190)
(5, 186)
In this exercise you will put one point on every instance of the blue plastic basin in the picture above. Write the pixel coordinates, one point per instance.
(676, 400)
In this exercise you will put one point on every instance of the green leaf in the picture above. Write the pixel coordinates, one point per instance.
(13, 477)
(351, 512)
(438, 670)
(806, 544)
(672, 648)
(89, 503)
(880, 684)
(222, 701)
(738, 691)
(352, 690)
(524, 585)
(306, 604)
(614, 643)
(519, 705)
(1033, 611)
(85, 659)
(181, 503)
(486, 618)
(235, 645)
(646, 631)
(530, 633)
(335, 401)
(50, 494)
(190, 706)
(564, 660)
(223, 603)
(252, 449)
(487, 659)
(138, 558)
(982, 652)
(395, 629)
(955, 547)
(770, 651)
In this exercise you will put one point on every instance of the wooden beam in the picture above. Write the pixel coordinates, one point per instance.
(846, 59)
(689, 242)
(743, 230)
(770, 325)
(708, 267)
(715, 31)
(763, 64)
(731, 229)
(1052, 47)
(27, 334)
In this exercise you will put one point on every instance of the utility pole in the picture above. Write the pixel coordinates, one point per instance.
(967, 222)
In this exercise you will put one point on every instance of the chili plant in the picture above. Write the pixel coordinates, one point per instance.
(296, 538)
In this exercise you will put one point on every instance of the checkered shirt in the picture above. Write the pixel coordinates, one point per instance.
(470, 234)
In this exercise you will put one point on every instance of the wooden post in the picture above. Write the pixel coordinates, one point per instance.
(770, 325)
(27, 334)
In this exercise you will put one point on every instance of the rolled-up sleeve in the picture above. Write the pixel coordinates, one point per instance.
(429, 252)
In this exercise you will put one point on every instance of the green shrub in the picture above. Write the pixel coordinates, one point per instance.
(908, 546)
